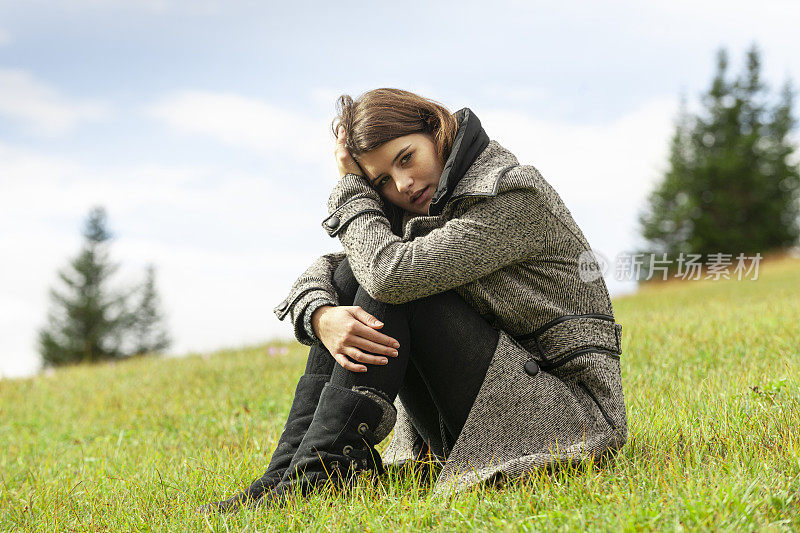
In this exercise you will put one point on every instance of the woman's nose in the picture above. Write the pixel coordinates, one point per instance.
(406, 183)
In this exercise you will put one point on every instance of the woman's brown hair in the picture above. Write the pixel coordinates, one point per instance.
(380, 115)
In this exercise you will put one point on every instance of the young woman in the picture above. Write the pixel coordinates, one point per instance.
(465, 290)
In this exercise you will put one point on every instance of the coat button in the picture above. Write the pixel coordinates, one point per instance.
(531, 367)
(332, 222)
(283, 305)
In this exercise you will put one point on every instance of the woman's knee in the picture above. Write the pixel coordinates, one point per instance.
(441, 302)
(351, 293)
(362, 298)
(345, 283)
(449, 311)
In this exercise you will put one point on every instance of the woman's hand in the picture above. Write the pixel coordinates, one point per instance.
(346, 330)
(347, 165)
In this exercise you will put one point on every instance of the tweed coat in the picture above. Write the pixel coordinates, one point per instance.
(504, 240)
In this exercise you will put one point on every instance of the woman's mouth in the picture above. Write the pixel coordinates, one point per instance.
(422, 196)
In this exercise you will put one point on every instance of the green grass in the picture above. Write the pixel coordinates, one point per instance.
(711, 374)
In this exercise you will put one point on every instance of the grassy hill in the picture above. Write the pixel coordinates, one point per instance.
(711, 372)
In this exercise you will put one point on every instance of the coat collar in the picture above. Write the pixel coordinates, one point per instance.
(483, 176)
(468, 145)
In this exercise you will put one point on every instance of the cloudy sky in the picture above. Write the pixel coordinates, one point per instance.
(203, 127)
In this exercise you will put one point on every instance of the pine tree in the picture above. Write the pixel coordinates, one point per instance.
(148, 332)
(668, 224)
(86, 321)
(730, 186)
(783, 192)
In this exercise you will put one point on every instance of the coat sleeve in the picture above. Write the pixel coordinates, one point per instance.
(493, 232)
(312, 289)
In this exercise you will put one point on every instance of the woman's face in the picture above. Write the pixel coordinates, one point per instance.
(403, 168)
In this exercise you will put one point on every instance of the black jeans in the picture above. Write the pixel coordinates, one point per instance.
(445, 350)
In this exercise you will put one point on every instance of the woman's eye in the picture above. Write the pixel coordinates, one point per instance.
(384, 180)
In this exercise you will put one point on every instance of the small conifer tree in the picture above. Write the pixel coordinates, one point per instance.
(85, 323)
(148, 332)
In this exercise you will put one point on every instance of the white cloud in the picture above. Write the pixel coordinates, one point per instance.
(326, 97)
(515, 94)
(202, 7)
(591, 161)
(5, 37)
(247, 122)
(40, 107)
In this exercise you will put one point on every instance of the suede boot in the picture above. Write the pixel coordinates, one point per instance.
(306, 398)
(339, 444)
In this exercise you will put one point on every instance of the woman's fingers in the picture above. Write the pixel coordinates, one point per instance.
(372, 346)
(369, 339)
(365, 317)
(370, 333)
(346, 162)
(354, 344)
(347, 355)
(341, 138)
(354, 353)
(347, 364)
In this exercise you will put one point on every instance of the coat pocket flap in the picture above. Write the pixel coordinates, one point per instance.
(571, 333)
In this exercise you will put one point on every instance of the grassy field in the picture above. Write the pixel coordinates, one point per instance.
(711, 372)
